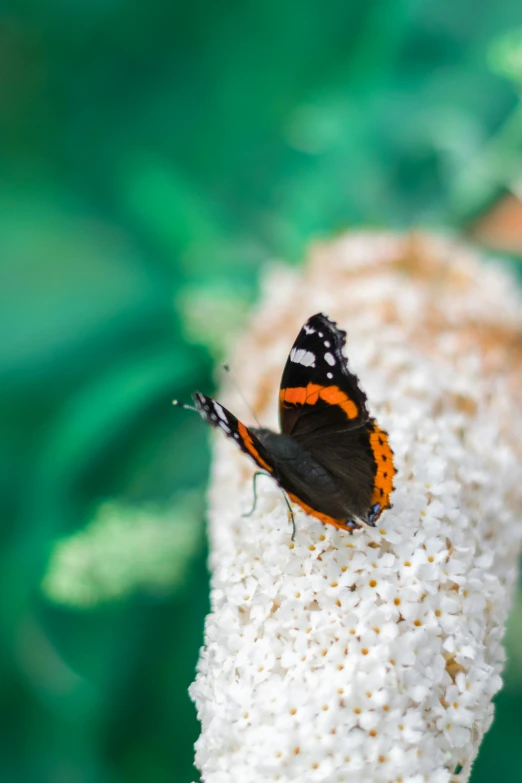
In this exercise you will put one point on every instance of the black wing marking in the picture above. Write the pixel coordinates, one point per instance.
(316, 380)
(221, 418)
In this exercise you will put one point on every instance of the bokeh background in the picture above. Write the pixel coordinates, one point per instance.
(153, 157)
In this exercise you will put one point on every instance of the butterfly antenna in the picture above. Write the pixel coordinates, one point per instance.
(179, 404)
(236, 385)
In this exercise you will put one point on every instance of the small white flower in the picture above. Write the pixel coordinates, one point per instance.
(375, 656)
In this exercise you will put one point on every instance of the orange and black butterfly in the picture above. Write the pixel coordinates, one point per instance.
(331, 457)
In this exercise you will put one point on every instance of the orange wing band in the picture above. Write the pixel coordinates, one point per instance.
(324, 518)
(248, 443)
(313, 392)
(383, 456)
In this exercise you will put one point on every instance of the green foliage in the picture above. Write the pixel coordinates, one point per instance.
(153, 156)
(506, 55)
(123, 550)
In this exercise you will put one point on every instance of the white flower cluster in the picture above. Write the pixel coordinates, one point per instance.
(372, 657)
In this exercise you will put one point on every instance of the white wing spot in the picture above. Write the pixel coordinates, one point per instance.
(320, 334)
(224, 427)
(326, 344)
(220, 412)
(329, 375)
(300, 356)
(236, 435)
(330, 359)
(308, 329)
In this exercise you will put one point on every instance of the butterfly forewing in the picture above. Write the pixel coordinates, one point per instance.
(218, 416)
(316, 377)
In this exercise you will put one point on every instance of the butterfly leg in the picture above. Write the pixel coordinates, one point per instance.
(256, 474)
(290, 514)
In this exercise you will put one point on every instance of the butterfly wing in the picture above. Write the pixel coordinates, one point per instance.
(221, 418)
(323, 407)
(316, 378)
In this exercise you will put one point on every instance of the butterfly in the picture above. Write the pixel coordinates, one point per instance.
(331, 457)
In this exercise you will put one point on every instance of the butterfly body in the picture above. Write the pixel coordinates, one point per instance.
(331, 457)
(308, 482)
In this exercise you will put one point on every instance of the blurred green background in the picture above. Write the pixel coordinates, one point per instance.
(153, 156)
